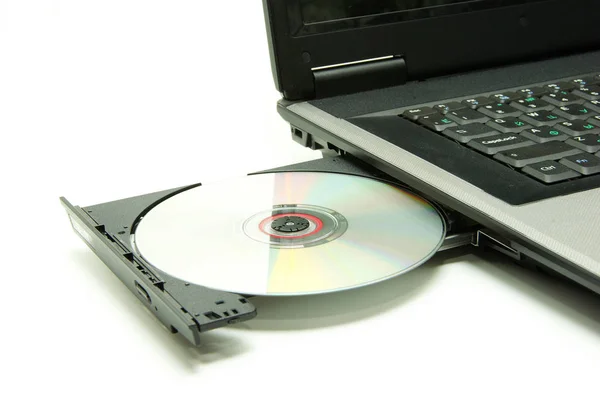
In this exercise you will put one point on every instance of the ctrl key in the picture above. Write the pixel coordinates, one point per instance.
(550, 172)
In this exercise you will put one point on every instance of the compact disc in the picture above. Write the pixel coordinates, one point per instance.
(289, 233)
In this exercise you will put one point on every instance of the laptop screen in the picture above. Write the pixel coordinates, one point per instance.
(320, 16)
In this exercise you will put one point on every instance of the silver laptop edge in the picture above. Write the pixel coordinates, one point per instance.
(567, 226)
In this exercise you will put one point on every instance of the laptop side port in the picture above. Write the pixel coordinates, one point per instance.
(457, 240)
(309, 141)
(142, 292)
(487, 239)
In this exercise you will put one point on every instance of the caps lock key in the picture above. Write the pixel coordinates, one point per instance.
(498, 143)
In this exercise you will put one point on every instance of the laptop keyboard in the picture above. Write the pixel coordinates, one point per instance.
(550, 132)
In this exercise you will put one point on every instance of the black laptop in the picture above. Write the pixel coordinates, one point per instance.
(491, 107)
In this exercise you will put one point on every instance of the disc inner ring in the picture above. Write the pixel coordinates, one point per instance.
(313, 225)
(324, 225)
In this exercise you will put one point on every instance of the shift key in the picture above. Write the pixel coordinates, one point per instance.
(498, 143)
(537, 153)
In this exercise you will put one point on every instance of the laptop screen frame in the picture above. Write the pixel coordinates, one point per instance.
(431, 46)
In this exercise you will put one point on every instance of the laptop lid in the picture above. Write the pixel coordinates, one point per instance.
(386, 42)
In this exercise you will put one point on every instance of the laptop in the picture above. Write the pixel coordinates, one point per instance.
(490, 107)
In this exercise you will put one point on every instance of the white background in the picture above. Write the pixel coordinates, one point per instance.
(101, 100)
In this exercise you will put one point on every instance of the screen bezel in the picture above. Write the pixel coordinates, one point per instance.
(432, 46)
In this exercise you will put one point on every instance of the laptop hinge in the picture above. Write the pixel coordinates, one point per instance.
(359, 76)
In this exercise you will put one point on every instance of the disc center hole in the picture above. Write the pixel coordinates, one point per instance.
(290, 224)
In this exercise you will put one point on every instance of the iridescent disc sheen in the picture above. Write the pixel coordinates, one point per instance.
(289, 233)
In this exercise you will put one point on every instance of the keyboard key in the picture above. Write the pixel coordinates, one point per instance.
(550, 172)
(560, 86)
(467, 116)
(537, 153)
(534, 91)
(415, 114)
(499, 110)
(505, 97)
(445, 108)
(436, 122)
(594, 120)
(508, 125)
(575, 128)
(578, 82)
(562, 98)
(588, 143)
(541, 118)
(467, 132)
(594, 105)
(544, 134)
(531, 104)
(574, 112)
(568, 85)
(583, 163)
(588, 92)
(477, 102)
(499, 143)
